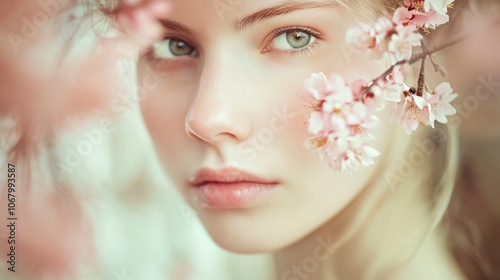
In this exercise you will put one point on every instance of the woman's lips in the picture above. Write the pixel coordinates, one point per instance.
(229, 188)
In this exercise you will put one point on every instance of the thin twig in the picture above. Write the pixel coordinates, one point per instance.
(437, 68)
(421, 78)
(457, 39)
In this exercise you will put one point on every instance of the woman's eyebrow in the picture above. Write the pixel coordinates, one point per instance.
(176, 26)
(280, 9)
(277, 10)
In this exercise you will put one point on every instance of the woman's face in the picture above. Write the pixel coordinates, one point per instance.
(229, 123)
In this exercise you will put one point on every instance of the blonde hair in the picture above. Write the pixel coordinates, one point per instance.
(401, 210)
(404, 205)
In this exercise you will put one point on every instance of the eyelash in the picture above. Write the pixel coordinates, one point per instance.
(149, 56)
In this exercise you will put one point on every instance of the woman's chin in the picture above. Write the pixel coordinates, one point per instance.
(244, 246)
(246, 236)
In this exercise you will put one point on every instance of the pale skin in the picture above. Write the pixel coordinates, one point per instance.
(222, 87)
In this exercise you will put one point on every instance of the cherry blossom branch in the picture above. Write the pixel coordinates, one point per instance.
(415, 58)
(341, 122)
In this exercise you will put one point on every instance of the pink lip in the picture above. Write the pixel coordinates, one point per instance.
(229, 188)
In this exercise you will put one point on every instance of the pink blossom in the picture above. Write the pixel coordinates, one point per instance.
(438, 103)
(388, 90)
(361, 38)
(402, 16)
(393, 86)
(440, 6)
(370, 38)
(319, 86)
(346, 154)
(411, 113)
(426, 14)
(137, 23)
(385, 91)
(431, 19)
(402, 42)
(332, 95)
(397, 75)
(382, 37)
(324, 123)
(338, 98)
(340, 123)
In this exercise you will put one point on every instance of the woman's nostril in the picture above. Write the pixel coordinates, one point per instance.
(215, 126)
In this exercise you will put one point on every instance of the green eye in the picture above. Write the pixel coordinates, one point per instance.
(171, 47)
(297, 39)
(292, 39)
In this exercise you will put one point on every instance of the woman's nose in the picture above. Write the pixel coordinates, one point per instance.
(222, 109)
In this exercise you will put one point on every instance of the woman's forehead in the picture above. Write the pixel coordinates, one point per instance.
(242, 13)
(235, 15)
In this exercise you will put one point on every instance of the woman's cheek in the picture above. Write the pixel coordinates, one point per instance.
(164, 113)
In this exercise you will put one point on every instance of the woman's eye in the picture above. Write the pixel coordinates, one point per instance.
(293, 39)
(172, 47)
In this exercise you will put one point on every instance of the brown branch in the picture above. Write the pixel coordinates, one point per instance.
(457, 39)
(437, 68)
(421, 78)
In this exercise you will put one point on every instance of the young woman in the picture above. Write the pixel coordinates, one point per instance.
(229, 125)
